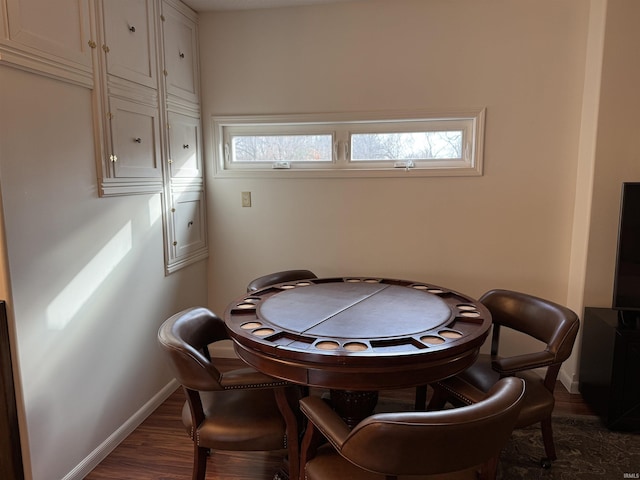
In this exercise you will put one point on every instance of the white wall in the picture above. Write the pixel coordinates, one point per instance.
(87, 279)
(511, 228)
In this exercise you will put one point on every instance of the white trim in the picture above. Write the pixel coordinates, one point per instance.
(105, 448)
(470, 165)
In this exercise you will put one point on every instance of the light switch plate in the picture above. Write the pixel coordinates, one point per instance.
(246, 199)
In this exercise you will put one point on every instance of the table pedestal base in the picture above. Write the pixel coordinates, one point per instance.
(354, 406)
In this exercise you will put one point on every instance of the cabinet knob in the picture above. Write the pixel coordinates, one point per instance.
(181, 55)
(137, 140)
(189, 224)
(113, 158)
(175, 243)
(185, 146)
(132, 29)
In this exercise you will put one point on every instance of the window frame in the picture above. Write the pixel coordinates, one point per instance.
(341, 126)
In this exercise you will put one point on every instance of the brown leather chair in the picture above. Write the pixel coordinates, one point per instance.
(240, 410)
(554, 325)
(457, 443)
(279, 277)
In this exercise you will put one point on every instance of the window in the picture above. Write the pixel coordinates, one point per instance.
(350, 144)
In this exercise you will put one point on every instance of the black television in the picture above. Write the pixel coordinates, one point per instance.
(626, 285)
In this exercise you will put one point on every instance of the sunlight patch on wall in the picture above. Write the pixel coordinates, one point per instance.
(71, 299)
(155, 209)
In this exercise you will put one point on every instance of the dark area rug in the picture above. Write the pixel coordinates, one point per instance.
(586, 450)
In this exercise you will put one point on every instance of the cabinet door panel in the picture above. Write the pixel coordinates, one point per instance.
(129, 36)
(52, 37)
(135, 139)
(184, 146)
(180, 54)
(188, 223)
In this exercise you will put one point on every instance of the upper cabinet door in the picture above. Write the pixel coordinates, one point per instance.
(180, 37)
(54, 37)
(129, 40)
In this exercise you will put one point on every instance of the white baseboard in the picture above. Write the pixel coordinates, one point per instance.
(105, 448)
(569, 381)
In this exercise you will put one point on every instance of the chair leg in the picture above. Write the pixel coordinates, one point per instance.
(421, 397)
(311, 440)
(547, 439)
(199, 462)
(489, 470)
(291, 423)
(438, 400)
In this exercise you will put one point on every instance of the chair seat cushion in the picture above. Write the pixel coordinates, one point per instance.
(538, 400)
(329, 465)
(239, 420)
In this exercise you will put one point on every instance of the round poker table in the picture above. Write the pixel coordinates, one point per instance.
(357, 334)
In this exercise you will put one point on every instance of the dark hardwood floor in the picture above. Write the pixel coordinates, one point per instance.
(159, 449)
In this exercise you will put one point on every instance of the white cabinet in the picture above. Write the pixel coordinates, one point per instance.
(180, 53)
(129, 40)
(187, 228)
(185, 159)
(127, 99)
(135, 140)
(54, 38)
(184, 178)
(140, 59)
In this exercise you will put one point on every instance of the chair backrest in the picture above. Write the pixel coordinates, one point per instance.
(429, 443)
(279, 277)
(184, 337)
(553, 324)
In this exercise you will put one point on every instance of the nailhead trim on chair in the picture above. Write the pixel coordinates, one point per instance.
(195, 436)
(458, 395)
(256, 385)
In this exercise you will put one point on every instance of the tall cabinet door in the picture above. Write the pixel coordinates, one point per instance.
(180, 54)
(129, 40)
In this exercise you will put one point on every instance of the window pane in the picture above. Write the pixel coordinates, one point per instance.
(406, 146)
(278, 148)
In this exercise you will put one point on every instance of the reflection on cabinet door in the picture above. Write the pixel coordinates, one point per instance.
(135, 139)
(184, 146)
(129, 40)
(180, 52)
(189, 233)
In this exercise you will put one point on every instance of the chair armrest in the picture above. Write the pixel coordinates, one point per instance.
(326, 420)
(518, 363)
(244, 378)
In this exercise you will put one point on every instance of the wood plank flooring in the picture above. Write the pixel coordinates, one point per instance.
(159, 449)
